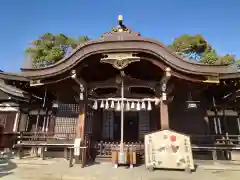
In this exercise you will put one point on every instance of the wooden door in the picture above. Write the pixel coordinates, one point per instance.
(130, 126)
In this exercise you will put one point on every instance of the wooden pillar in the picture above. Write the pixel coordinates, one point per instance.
(206, 119)
(225, 123)
(215, 123)
(27, 122)
(81, 122)
(16, 121)
(52, 121)
(80, 130)
(238, 126)
(164, 119)
(37, 123)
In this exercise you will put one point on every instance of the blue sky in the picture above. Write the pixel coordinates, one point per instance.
(24, 20)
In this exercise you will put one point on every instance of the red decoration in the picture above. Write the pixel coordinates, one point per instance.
(173, 138)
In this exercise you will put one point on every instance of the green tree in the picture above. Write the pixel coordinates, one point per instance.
(50, 48)
(187, 43)
(226, 60)
(196, 44)
(209, 57)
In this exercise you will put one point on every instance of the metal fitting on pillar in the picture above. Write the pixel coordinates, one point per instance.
(164, 96)
(164, 82)
(81, 92)
(166, 77)
(168, 72)
(74, 76)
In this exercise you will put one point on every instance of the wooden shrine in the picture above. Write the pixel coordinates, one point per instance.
(111, 92)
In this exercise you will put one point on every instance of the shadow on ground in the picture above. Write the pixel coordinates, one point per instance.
(6, 165)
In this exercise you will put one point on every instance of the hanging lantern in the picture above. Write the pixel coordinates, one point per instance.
(128, 106)
(149, 108)
(118, 106)
(102, 104)
(95, 105)
(106, 105)
(112, 104)
(138, 106)
(191, 104)
(143, 105)
(132, 105)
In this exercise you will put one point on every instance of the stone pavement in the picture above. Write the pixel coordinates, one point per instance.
(57, 169)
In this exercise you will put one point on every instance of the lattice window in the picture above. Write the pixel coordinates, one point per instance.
(65, 126)
(74, 108)
(66, 120)
(88, 123)
(107, 131)
(3, 117)
(143, 123)
(7, 121)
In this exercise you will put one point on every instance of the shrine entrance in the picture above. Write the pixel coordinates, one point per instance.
(130, 126)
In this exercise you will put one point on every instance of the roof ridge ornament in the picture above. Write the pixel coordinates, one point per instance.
(120, 28)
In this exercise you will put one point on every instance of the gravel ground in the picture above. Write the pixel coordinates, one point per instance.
(57, 169)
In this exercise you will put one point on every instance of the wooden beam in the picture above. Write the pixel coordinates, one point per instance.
(127, 82)
(81, 122)
(164, 118)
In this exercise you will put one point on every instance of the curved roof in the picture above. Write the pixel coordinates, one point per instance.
(13, 91)
(13, 76)
(123, 42)
(127, 42)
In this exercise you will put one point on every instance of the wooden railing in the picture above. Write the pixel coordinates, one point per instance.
(50, 140)
(43, 137)
(215, 140)
(104, 149)
(210, 143)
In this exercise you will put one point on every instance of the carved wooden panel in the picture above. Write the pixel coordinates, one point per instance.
(119, 60)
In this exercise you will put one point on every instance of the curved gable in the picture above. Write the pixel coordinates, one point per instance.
(120, 42)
